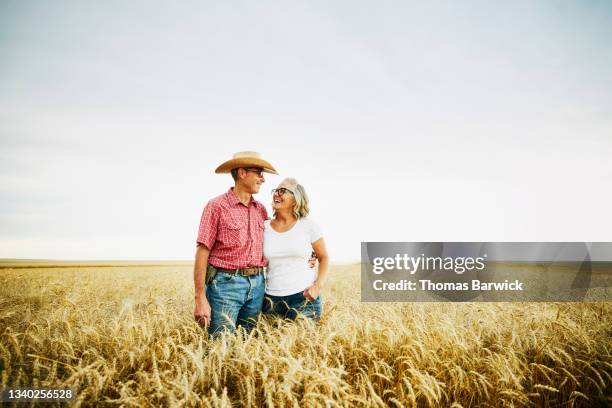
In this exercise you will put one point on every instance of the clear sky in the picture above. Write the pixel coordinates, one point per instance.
(405, 121)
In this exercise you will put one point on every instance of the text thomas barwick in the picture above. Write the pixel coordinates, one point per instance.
(425, 284)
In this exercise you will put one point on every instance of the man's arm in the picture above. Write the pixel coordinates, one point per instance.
(202, 307)
(207, 235)
(313, 260)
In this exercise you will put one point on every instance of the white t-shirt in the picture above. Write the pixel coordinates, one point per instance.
(288, 254)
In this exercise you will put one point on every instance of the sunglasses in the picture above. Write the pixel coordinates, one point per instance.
(255, 170)
(281, 191)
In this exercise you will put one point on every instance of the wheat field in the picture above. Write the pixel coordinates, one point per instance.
(125, 336)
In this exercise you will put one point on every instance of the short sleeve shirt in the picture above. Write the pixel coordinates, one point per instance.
(233, 232)
(288, 253)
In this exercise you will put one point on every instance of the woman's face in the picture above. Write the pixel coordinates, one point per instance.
(284, 201)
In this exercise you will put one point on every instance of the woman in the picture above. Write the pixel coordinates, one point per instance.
(292, 286)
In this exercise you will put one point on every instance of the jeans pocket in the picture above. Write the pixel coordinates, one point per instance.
(300, 301)
(223, 277)
(296, 298)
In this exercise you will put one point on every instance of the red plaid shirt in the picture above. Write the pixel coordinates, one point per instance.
(233, 232)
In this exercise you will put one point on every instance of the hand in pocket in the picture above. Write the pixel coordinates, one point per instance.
(312, 292)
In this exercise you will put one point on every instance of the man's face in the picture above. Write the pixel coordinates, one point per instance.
(253, 179)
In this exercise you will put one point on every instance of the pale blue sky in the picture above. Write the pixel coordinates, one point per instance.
(405, 121)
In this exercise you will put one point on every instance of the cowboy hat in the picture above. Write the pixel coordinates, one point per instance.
(245, 159)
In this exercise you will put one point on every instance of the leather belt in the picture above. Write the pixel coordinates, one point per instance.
(256, 270)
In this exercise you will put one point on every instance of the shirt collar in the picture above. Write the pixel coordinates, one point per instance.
(233, 200)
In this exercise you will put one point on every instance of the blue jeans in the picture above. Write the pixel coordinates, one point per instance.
(291, 306)
(235, 300)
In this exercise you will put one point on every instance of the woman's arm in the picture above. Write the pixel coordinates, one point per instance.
(320, 250)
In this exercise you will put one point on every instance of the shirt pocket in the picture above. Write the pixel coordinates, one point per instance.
(233, 230)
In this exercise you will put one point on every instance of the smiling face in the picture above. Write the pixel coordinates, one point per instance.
(285, 201)
(251, 179)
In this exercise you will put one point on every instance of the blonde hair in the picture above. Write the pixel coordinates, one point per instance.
(301, 209)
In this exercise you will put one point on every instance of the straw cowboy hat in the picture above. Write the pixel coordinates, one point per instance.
(246, 159)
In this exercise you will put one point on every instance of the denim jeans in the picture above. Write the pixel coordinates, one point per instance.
(235, 300)
(291, 306)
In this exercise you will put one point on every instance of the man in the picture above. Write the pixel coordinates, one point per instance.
(230, 247)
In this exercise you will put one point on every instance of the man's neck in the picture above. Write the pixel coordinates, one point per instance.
(243, 196)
